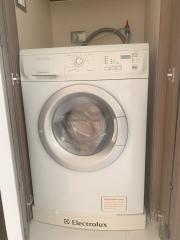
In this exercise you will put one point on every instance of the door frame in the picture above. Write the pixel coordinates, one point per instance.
(16, 189)
(157, 100)
(171, 156)
(8, 179)
(171, 167)
(174, 213)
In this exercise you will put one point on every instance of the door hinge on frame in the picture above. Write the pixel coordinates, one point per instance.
(171, 185)
(1, 41)
(164, 232)
(171, 74)
(15, 77)
(30, 201)
(160, 217)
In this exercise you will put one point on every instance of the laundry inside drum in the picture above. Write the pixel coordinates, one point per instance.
(83, 126)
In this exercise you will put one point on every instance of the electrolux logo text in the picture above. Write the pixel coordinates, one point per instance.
(74, 222)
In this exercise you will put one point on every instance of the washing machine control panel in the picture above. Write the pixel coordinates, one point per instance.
(122, 62)
(104, 62)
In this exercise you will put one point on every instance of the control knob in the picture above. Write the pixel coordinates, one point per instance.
(79, 61)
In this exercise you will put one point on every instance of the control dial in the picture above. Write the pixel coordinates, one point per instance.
(79, 61)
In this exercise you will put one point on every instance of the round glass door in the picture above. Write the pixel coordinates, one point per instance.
(83, 124)
(83, 128)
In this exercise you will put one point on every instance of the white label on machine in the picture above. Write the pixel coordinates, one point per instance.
(114, 204)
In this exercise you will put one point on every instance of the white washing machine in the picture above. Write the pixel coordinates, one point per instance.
(85, 112)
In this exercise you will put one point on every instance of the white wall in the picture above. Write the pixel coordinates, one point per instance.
(47, 25)
(34, 27)
(90, 15)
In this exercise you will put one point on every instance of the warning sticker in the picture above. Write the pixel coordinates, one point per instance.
(114, 204)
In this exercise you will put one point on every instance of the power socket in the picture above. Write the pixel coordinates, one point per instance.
(78, 37)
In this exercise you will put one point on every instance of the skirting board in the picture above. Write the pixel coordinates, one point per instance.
(103, 223)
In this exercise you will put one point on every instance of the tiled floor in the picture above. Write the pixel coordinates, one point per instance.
(41, 231)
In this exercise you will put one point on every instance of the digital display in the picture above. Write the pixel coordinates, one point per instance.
(125, 56)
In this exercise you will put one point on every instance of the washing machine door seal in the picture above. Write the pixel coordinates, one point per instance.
(83, 127)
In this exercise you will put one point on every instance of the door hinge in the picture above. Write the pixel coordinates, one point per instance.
(164, 232)
(160, 217)
(171, 185)
(171, 74)
(29, 204)
(15, 77)
(1, 41)
(30, 201)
